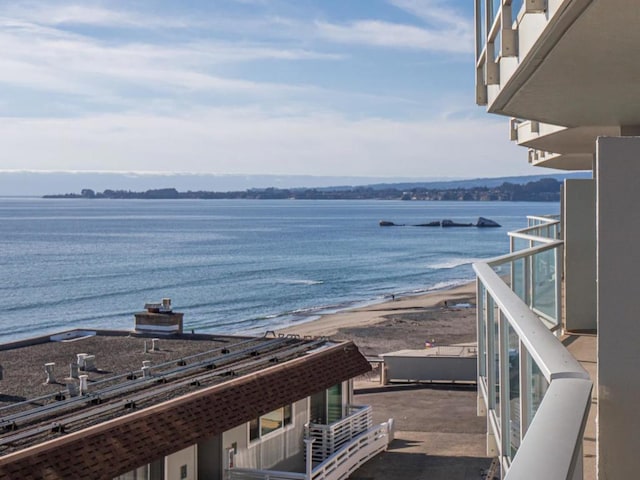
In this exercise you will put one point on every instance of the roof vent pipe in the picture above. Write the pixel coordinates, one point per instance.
(48, 368)
(166, 304)
(90, 363)
(73, 370)
(81, 357)
(84, 387)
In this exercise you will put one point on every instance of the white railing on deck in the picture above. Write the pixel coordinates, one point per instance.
(329, 438)
(355, 453)
(536, 394)
(253, 474)
(338, 466)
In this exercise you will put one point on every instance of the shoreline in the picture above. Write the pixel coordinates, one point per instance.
(441, 317)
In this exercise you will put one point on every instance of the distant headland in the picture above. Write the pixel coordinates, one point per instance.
(543, 190)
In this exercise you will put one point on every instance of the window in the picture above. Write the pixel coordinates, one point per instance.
(270, 422)
(326, 406)
(334, 403)
(254, 429)
(288, 414)
(318, 413)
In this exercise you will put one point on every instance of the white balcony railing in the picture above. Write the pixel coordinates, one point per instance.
(536, 273)
(352, 455)
(536, 395)
(330, 438)
(338, 466)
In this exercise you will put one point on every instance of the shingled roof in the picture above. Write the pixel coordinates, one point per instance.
(114, 447)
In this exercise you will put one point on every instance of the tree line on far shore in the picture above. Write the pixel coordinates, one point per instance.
(543, 190)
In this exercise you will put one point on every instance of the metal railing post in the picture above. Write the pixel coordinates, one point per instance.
(559, 277)
(308, 444)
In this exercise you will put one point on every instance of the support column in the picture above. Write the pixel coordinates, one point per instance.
(579, 227)
(618, 269)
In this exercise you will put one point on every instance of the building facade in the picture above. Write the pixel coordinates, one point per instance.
(180, 406)
(565, 73)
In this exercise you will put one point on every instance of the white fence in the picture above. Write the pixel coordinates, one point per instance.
(338, 466)
(329, 438)
(354, 454)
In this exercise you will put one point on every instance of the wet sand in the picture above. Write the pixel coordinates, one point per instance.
(405, 322)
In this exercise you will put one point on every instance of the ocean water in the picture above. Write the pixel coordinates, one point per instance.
(232, 266)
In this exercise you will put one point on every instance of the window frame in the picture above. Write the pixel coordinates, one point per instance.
(286, 423)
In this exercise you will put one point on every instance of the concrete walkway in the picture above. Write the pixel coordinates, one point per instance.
(438, 435)
(584, 348)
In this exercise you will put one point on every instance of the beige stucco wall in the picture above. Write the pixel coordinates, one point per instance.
(174, 462)
(618, 268)
(579, 227)
(284, 447)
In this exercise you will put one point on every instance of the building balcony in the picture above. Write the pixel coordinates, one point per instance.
(553, 146)
(534, 392)
(562, 62)
(332, 451)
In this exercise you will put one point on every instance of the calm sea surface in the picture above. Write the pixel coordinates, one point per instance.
(230, 265)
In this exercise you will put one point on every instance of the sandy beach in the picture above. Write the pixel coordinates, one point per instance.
(442, 317)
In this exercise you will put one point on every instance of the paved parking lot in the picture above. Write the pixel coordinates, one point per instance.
(438, 435)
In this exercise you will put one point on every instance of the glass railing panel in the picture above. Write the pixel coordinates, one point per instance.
(493, 352)
(495, 10)
(514, 390)
(483, 25)
(516, 6)
(520, 244)
(538, 385)
(482, 331)
(544, 287)
(495, 325)
(518, 281)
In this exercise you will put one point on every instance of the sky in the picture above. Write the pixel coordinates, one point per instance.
(380, 88)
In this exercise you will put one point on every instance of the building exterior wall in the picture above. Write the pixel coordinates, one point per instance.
(431, 368)
(115, 447)
(579, 227)
(618, 265)
(283, 448)
(182, 465)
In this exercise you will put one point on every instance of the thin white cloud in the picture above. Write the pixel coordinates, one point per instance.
(438, 13)
(443, 29)
(51, 59)
(92, 15)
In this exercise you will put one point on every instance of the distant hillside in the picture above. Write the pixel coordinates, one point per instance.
(543, 190)
(26, 183)
(478, 182)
